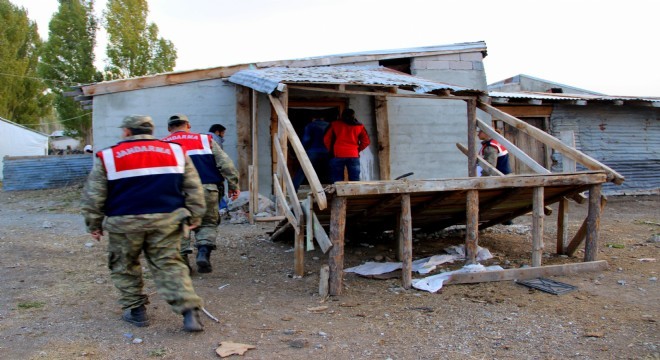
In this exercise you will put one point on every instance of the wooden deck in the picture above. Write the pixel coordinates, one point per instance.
(432, 205)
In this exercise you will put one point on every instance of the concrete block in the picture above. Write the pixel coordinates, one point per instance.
(460, 65)
(472, 56)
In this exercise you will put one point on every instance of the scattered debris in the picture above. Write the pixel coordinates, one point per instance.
(647, 260)
(548, 285)
(210, 316)
(228, 348)
(298, 343)
(317, 309)
(615, 246)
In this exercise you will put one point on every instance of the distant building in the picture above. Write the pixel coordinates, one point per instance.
(622, 132)
(18, 140)
(60, 141)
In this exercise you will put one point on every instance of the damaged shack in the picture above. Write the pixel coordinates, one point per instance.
(421, 108)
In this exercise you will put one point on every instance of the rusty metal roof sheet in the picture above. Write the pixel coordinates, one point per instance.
(267, 80)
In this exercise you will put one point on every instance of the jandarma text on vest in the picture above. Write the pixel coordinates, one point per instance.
(182, 137)
(137, 149)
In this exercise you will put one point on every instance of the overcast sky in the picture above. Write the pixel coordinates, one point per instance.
(606, 46)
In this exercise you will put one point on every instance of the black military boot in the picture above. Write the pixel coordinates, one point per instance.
(136, 316)
(204, 259)
(192, 321)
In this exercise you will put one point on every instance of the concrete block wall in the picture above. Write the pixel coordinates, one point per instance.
(204, 102)
(462, 69)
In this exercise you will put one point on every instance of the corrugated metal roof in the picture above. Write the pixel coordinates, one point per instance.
(560, 97)
(267, 80)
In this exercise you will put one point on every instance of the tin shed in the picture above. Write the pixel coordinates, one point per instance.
(18, 140)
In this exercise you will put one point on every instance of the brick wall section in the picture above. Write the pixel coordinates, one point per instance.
(44, 172)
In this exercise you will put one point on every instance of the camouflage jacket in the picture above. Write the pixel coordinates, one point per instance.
(225, 165)
(96, 192)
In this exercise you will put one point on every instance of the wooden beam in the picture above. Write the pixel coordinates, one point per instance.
(513, 149)
(281, 200)
(593, 224)
(337, 231)
(243, 139)
(254, 192)
(480, 160)
(526, 273)
(381, 93)
(562, 226)
(582, 232)
(385, 203)
(305, 163)
(383, 132)
(537, 226)
(283, 136)
(299, 248)
(405, 239)
(321, 237)
(553, 142)
(251, 204)
(309, 233)
(472, 137)
(144, 82)
(472, 226)
(476, 183)
(286, 179)
(269, 218)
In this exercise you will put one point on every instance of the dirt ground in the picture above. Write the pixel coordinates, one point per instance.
(57, 300)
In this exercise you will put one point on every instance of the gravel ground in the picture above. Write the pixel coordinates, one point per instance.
(57, 300)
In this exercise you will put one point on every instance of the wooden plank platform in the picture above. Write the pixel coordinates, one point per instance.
(432, 205)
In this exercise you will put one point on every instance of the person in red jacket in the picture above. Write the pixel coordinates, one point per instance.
(345, 139)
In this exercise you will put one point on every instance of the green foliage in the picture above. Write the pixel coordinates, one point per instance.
(134, 48)
(31, 305)
(23, 97)
(67, 59)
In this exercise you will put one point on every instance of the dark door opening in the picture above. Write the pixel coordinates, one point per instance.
(301, 115)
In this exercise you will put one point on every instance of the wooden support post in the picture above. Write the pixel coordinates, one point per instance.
(324, 274)
(299, 247)
(568, 137)
(593, 223)
(562, 226)
(254, 191)
(582, 232)
(383, 131)
(472, 137)
(397, 231)
(472, 226)
(243, 139)
(309, 224)
(405, 241)
(337, 230)
(283, 137)
(251, 204)
(537, 226)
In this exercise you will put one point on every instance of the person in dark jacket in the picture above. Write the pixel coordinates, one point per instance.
(345, 139)
(316, 151)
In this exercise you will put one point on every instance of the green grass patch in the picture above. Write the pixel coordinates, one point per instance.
(31, 305)
(157, 352)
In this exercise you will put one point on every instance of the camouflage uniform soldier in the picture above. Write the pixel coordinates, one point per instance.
(144, 191)
(213, 166)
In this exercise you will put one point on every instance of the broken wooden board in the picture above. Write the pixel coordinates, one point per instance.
(526, 273)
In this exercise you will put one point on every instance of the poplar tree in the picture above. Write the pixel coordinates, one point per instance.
(67, 59)
(134, 47)
(23, 97)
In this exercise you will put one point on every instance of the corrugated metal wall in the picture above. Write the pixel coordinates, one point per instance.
(625, 138)
(45, 172)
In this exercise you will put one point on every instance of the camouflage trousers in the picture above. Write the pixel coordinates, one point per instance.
(207, 231)
(161, 251)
